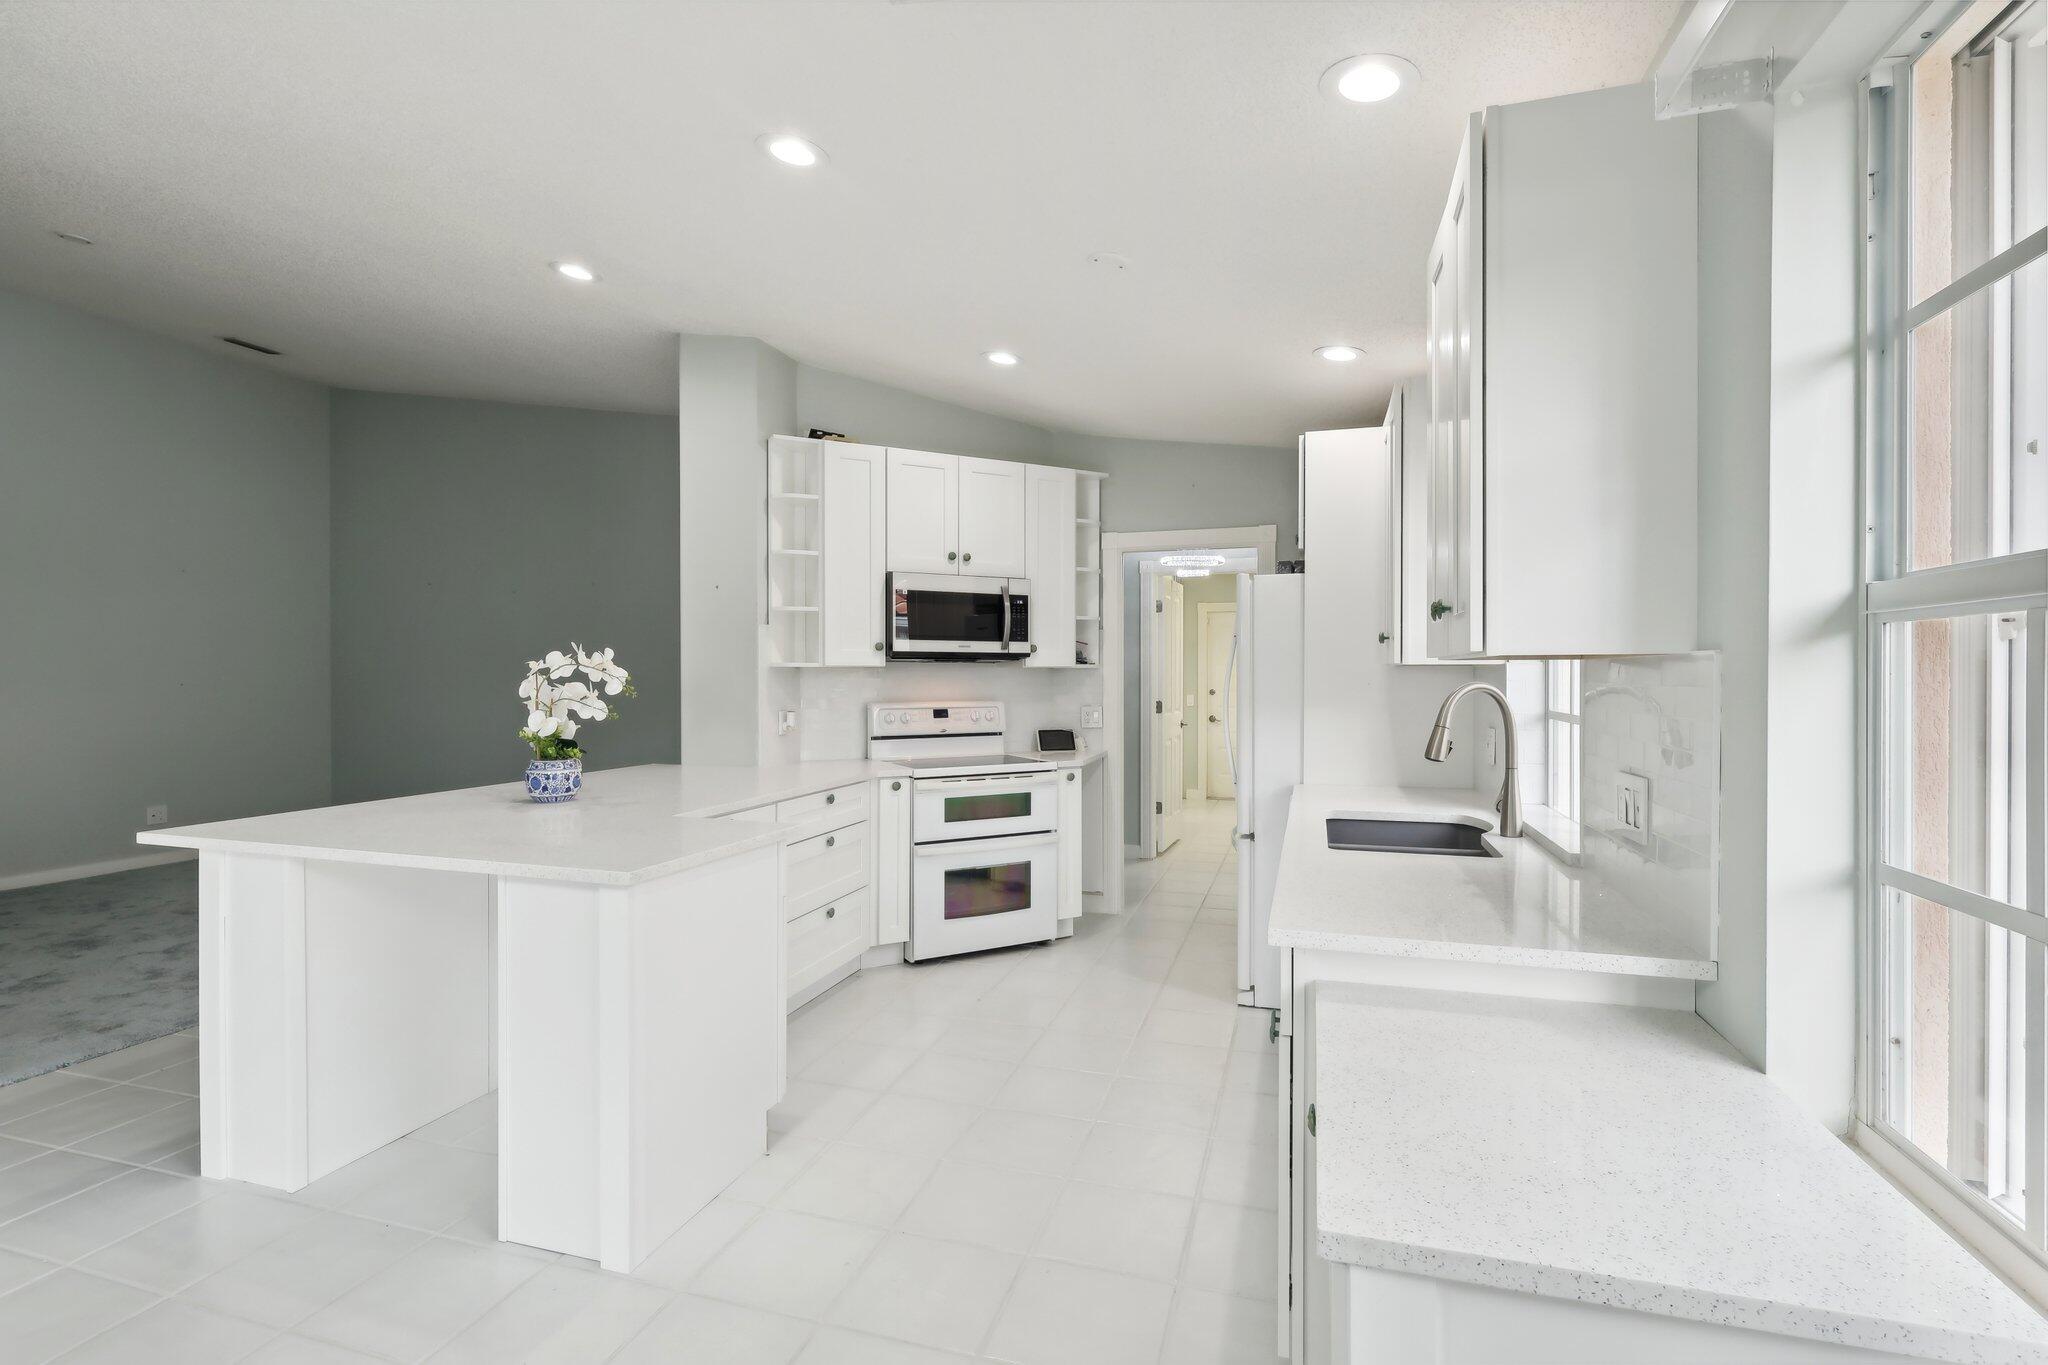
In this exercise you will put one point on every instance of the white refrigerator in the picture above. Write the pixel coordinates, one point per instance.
(1265, 749)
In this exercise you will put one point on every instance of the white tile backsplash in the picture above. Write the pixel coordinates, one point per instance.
(832, 714)
(1658, 716)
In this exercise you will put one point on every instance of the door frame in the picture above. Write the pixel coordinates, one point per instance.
(1205, 621)
(1115, 545)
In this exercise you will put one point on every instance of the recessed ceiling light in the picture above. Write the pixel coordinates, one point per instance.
(1002, 358)
(792, 150)
(1369, 79)
(73, 238)
(574, 270)
(1339, 354)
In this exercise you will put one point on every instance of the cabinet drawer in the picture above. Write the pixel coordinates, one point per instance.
(826, 937)
(841, 805)
(823, 867)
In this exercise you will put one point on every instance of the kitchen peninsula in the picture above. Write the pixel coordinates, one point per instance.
(613, 967)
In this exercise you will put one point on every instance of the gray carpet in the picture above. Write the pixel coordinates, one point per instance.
(98, 964)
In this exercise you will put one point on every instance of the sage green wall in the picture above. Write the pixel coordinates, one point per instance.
(468, 538)
(163, 586)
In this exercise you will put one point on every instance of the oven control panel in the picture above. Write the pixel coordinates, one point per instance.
(903, 720)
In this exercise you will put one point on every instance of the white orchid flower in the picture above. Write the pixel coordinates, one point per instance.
(541, 723)
(601, 669)
(566, 728)
(559, 665)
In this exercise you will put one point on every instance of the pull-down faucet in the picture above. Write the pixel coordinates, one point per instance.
(1439, 748)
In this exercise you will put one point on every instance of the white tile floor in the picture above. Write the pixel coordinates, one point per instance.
(1046, 1156)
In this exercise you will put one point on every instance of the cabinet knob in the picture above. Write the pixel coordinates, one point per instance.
(832, 910)
(895, 786)
(1384, 637)
(1070, 777)
(831, 839)
(1212, 720)
(1034, 649)
(831, 797)
(1311, 1120)
(952, 555)
(1439, 609)
(878, 646)
(967, 559)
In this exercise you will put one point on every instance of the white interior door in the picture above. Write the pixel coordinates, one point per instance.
(1219, 629)
(1169, 782)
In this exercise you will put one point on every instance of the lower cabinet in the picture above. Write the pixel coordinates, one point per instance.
(892, 860)
(1068, 813)
(823, 940)
(838, 899)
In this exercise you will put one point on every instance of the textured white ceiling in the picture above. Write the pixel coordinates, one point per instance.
(375, 188)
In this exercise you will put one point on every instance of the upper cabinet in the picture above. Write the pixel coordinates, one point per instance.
(1562, 387)
(854, 546)
(992, 517)
(955, 514)
(827, 515)
(1049, 549)
(924, 512)
(843, 516)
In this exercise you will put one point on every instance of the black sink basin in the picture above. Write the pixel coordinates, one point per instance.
(1444, 837)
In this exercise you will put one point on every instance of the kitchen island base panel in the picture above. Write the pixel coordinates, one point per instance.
(341, 1006)
(634, 1033)
(638, 1030)
(1300, 968)
(1386, 1317)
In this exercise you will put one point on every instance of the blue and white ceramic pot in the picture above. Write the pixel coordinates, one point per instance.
(554, 779)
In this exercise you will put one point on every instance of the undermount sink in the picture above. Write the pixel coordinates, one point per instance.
(1446, 838)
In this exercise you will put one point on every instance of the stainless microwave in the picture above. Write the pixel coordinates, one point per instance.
(955, 616)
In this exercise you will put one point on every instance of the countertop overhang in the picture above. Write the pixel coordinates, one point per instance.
(630, 825)
(1525, 907)
(1629, 1157)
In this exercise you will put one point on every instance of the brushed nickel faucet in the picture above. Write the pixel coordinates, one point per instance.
(1439, 748)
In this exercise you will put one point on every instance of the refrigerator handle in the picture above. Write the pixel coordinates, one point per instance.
(1229, 708)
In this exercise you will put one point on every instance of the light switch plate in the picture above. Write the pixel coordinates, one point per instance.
(1091, 718)
(1632, 807)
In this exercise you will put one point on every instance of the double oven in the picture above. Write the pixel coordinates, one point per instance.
(984, 845)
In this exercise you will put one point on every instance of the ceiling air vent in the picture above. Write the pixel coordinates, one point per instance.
(251, 346)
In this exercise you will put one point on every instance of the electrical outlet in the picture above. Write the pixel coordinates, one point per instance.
(785, 721)
(1632, 807)
(1091, 718)
(156, 815)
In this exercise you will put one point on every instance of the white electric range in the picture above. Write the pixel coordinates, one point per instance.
(984, 828)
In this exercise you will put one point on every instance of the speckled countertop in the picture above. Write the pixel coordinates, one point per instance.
(1525, 907)
(1627, 1157)
(629, 825)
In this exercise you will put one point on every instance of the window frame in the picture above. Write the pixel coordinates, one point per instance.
(1895, 592)
(1572, 720)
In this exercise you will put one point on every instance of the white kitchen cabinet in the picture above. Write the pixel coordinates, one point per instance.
(853, 553)
(1069, 812)
(1457, 351)
(1049, 560)
(1563, 390)
(955, 514)
(892, 860)
(991, 517)
(924, 512)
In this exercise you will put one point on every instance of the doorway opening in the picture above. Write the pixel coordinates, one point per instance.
(1179, 633)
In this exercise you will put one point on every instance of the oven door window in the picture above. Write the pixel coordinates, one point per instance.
(966, 810)
(972, 892)
(949, 615)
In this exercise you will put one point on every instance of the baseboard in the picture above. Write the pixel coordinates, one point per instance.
(80, 871)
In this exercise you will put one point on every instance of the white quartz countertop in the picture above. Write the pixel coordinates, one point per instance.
(1627, 1157)
(1525, 907)
(629, 825)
